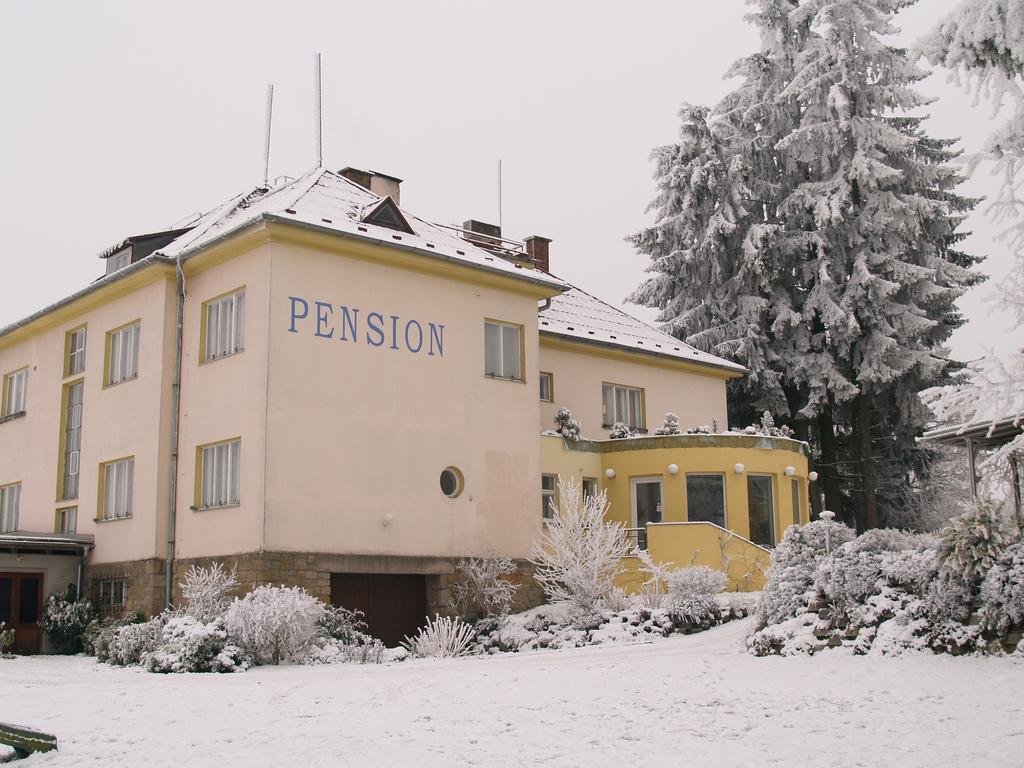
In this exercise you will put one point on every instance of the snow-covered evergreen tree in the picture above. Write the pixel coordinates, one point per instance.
(670, 427)
(807, 228)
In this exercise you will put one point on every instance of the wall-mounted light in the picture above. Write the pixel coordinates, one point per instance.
(673, 469)
(609, 473)
(387, 520)
(812, 476)
(790, 471)
(739, 469)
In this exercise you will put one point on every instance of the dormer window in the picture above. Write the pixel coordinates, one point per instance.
(386, 214)
(119, 261)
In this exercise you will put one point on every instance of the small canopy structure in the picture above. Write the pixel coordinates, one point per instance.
(990, 434)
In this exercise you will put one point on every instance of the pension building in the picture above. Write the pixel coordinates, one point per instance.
(316, 387)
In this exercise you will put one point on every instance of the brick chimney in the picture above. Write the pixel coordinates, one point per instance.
(537, 250)
(379, 183)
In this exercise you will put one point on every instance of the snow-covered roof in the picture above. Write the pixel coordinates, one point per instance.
(578, 316)
(327, 201)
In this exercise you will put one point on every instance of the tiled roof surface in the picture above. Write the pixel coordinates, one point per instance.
(578, 315)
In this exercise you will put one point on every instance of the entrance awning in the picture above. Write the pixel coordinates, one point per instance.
(46, 543)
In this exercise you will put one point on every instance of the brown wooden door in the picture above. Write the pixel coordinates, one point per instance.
(21, 605)
(395, 605)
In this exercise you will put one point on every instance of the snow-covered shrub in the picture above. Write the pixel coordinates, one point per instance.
(207, 591)
(855, 570)
(129, 644)
(616, 600)
(341, 624)
(363, 650)
(690, 591)
(568, 427)
(766, 426)
(670, 427)
(65, 618)
(652, 598)
(98, 636)
(482, 589)
(6, 638)
(791, 575)
(971, 543)
(579, 552)
(619, 431)
(190, 645)
(441, 637)
(1002, 591)
(912, 570)
(274, 623)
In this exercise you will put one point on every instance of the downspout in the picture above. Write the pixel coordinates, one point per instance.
(81, 569)
(172, 485)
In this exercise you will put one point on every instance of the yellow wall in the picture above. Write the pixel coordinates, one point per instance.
(579, 370)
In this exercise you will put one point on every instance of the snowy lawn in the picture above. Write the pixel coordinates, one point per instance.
(696, 700)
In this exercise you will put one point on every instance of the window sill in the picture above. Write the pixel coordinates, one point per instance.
(12, 416)
(111, 519)
(122, 381)
(213, 507)
(496, 377)
(209, 360)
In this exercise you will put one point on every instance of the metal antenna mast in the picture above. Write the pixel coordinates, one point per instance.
(266, 136)
(319, 118)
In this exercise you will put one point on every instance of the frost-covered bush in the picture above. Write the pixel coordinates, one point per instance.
(971, 543)
(912, 570)
(1002, 591)
(65, 618)
(482, 589)
(129, 644)
(207, 591)
(568, 427)
(190, 645)
(341, 624)
(579, 552)
(619, 431)
(441, 637)
(670, 427)
(794, 561)
(98, 636)
(689, 591)
(274, 623)
(855, 570)
(616, 600)
(766, 426)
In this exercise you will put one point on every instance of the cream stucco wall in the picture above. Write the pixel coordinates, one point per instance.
(128, 419)
(359, 434)
(221, 400)
(579, 371)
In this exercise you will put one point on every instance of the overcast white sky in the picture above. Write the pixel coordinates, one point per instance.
(120, 118)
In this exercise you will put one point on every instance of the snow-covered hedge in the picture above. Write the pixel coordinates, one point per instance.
(190, 645)
(887, 591)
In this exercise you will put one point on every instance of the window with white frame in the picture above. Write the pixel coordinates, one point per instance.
(547, 387)
(67, 520)
(76, 351)
(10, 500)
(225, 326)
(589, 488)
(221, 475)
(548, 496)
(113, 593)
(118, 483)
(503, 350)
(72, 439)
(624, 405)
(123, 354)
(14, 389)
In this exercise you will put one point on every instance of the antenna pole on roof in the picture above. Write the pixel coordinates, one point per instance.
(266, 135)
(319, 120)
(499, 193)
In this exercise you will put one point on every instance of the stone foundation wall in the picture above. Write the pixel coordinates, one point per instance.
(311, 571)
(145, 585)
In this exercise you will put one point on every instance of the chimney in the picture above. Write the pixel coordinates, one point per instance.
(379, 183)
(537, 250)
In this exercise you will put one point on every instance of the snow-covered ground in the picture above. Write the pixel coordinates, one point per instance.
(695, 700)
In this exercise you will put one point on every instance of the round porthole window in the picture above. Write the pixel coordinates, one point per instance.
(451, 482)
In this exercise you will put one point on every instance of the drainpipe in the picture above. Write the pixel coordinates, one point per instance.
(81, 568)
(172, 485)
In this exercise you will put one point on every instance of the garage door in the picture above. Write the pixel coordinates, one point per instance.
(395, 605)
